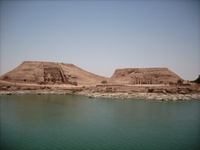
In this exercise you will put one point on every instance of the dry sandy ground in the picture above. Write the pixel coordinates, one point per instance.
(163, 93)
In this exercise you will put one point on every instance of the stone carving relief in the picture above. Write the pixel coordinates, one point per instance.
(54, 75)
(142, 80)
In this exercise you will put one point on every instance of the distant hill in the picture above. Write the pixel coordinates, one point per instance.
(51, 73)
(143, 76)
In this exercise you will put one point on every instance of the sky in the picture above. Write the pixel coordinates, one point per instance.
(101, 36)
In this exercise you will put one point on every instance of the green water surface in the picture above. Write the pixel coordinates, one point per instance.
(64, 122)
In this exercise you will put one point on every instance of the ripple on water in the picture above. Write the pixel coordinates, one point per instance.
(75, 122)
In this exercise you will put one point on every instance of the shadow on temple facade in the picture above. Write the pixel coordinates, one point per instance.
(55, 75)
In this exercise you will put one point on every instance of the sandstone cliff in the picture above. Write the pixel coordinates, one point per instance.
(130, 76)
(51, 73)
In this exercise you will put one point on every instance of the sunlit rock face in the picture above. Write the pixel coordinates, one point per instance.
(132, 76)
(51, 73)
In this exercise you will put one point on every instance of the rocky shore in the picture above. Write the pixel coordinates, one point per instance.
(141, 95)
(37, 92)
(109, 95)
(162, 93)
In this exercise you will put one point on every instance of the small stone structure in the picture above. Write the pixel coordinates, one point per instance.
(141, 80)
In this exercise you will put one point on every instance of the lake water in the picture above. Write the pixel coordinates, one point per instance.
(67, 122)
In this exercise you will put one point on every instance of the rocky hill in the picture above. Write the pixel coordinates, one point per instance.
(130, 76)
(51, 73)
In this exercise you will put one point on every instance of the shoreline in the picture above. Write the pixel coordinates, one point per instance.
(142, 96)
(109, 95)
(160, 93)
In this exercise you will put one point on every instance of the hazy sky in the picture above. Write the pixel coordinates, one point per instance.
(100, 36)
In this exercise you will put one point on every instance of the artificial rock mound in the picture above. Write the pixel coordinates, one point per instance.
(62, 73)
(51, 73)
(131, 76)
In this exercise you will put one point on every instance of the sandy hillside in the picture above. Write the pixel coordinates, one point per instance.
(144, 76)
(50, 73)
